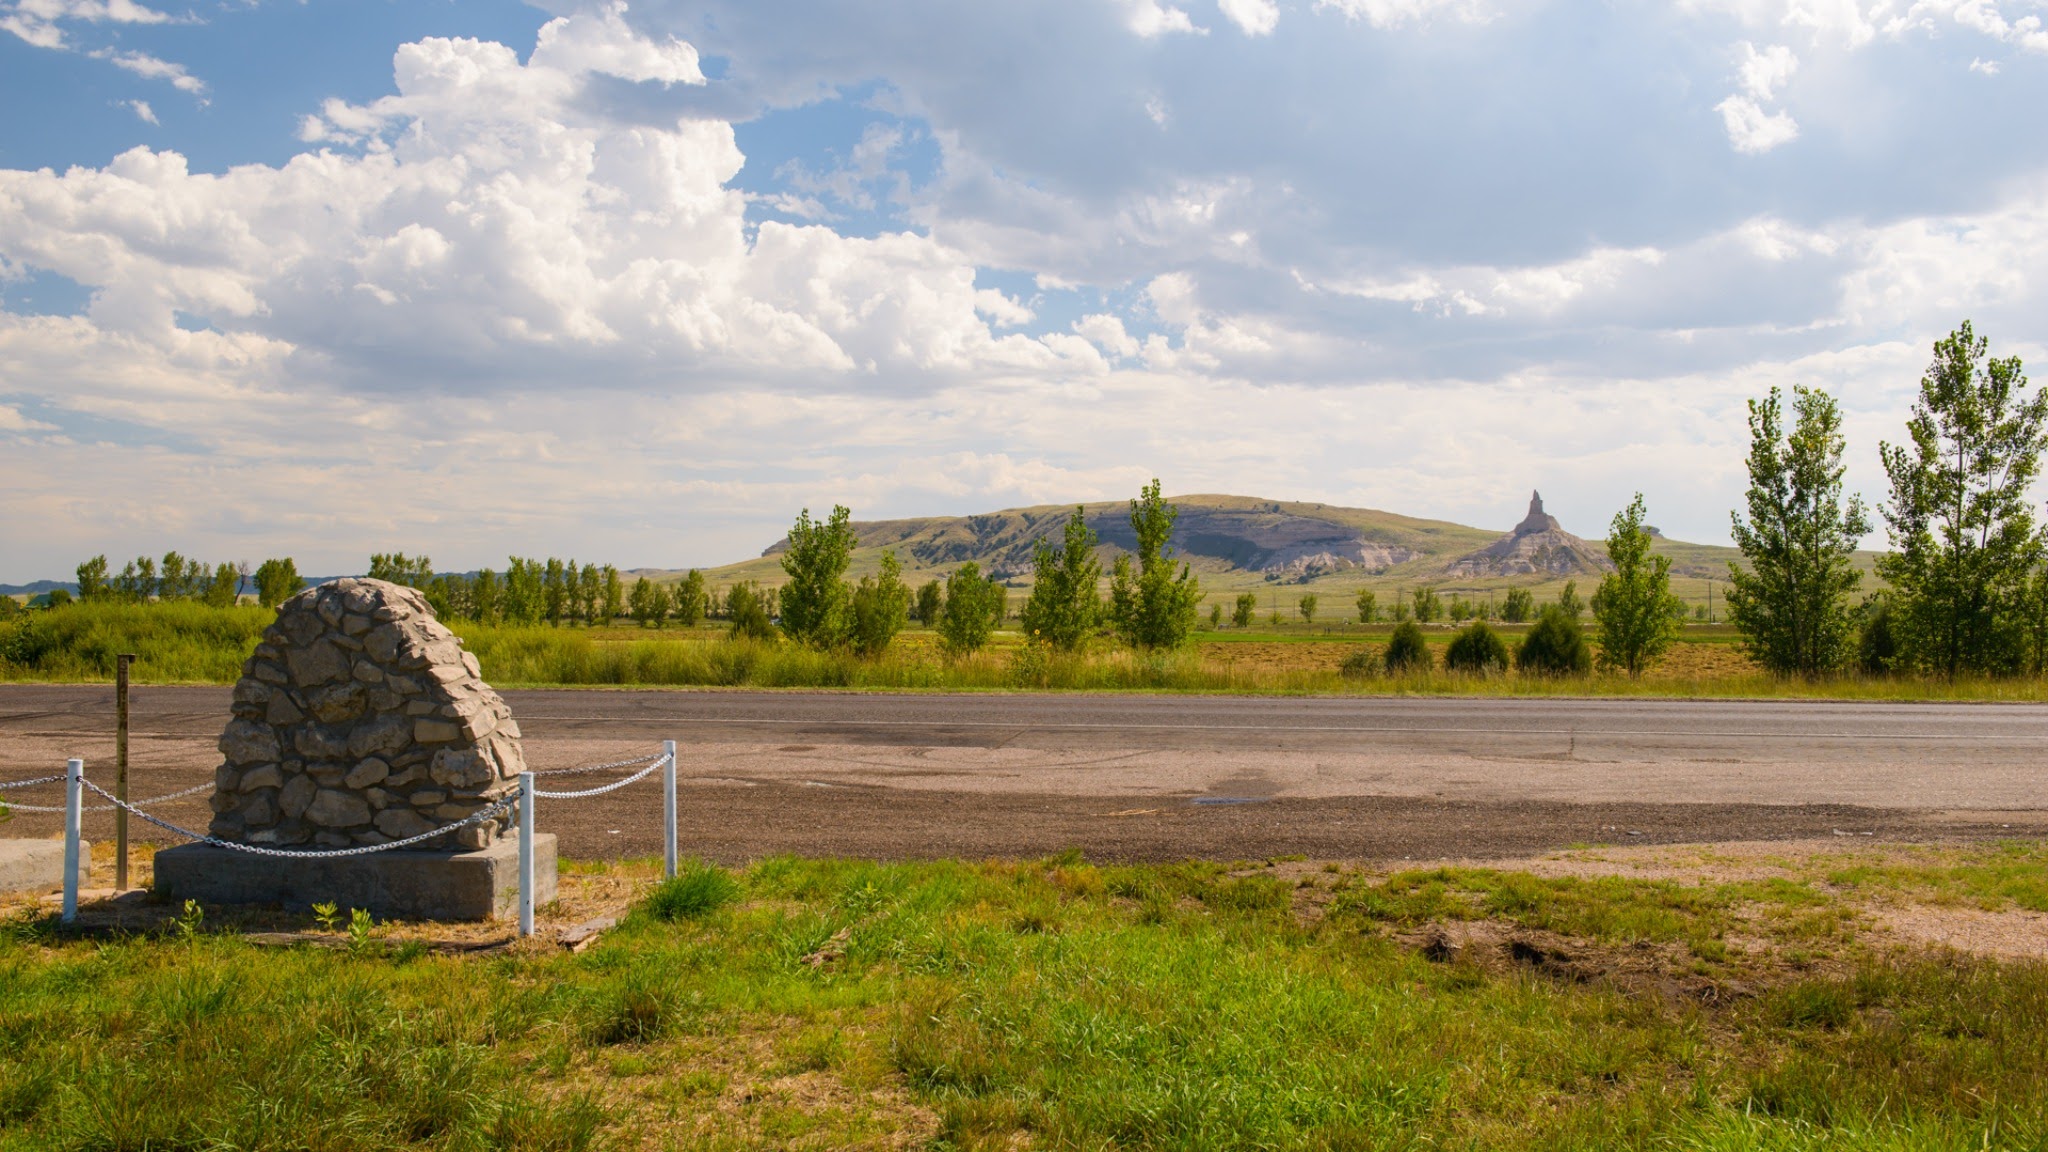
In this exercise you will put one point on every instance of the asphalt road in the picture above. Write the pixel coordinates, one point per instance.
(1168, 776)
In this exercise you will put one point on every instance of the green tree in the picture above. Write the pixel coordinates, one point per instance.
(1368, 606)
(614, 594)
(488, 593)
(931, 601)
(137, 581)
(277, 581)
(689, 599)
(880, 607)
(1307, 608)
(225, 587)
(1962, 531)
(648, 603)
(1633, 605)
(1247, 605)
(749, 612)
(554, 590)
(590, 593)
(1555, 646)
(92, 579)
(1152, 605)
(816, 603)
(526, 591)
(968, 616)
(1427, 606)
(1792, 603)
(1461, 609)
(1065, 603)
(1569, 601)
(1519, 606)
(176, 577)
(398, 568)
(1216, 615)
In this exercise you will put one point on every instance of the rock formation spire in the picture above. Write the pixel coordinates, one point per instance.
(1537, 520)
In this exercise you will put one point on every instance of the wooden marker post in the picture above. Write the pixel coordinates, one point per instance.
(121, 663)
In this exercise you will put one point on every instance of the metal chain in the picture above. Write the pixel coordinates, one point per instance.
(592, 767)
(58, 779)
(614, 786)
(490, 813)
(193, 791)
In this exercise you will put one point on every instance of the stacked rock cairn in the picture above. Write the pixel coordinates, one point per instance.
(360, 720)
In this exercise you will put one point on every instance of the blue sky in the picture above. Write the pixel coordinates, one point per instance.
(636, 282)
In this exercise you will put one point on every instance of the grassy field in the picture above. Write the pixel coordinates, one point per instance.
(1055, 1004)
(190, 643)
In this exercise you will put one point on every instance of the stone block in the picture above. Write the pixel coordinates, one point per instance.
(36, 867)
(406, 884)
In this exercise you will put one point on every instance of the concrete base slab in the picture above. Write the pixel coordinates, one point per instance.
(407, 884)
(34, 867)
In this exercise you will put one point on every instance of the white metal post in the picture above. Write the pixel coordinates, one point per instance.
(668, 811)
(526, 853)
(74, 789)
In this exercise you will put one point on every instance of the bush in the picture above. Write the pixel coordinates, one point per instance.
(698, 889)
(1407, 650)
(1359, 665)
(749, 613)
(1556, 646)
(1877, 648)
(1477, 649)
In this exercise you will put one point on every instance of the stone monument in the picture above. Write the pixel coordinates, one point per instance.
(360, 720)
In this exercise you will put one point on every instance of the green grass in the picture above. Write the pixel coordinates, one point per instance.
(191, 643)
(178, 642)
(958, 1005)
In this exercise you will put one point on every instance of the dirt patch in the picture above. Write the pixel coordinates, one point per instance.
(2008, 934)
(1641, 968)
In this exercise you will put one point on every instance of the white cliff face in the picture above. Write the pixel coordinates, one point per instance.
(360, 720)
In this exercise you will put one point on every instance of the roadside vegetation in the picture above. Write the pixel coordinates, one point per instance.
(1964, 613)
(1056, 1003)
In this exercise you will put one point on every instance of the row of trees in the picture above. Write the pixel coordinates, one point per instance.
(144, 580)
(1151, 603)
(1968, 587)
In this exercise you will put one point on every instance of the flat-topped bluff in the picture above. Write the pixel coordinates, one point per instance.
(1238, 537)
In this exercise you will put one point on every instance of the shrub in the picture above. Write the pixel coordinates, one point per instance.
(698, 889)
(1477, 649)
(1877, 648)
(1556, 646)
(1407, 650)
(1359, 665)
(749, 613)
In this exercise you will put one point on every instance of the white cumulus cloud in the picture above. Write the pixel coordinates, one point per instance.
(1252, 17)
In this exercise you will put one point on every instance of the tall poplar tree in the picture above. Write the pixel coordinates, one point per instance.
(1792, 604)
(1964, 542)
(1065, 602)
(817, 602)
(1638, 617)
(1153, 606)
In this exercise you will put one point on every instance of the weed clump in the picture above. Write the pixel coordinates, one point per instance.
(1477, 648)
(1555, 646)
(1407, 650)
(697, 890)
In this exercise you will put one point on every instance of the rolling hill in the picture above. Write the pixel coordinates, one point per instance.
(1277, 549)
